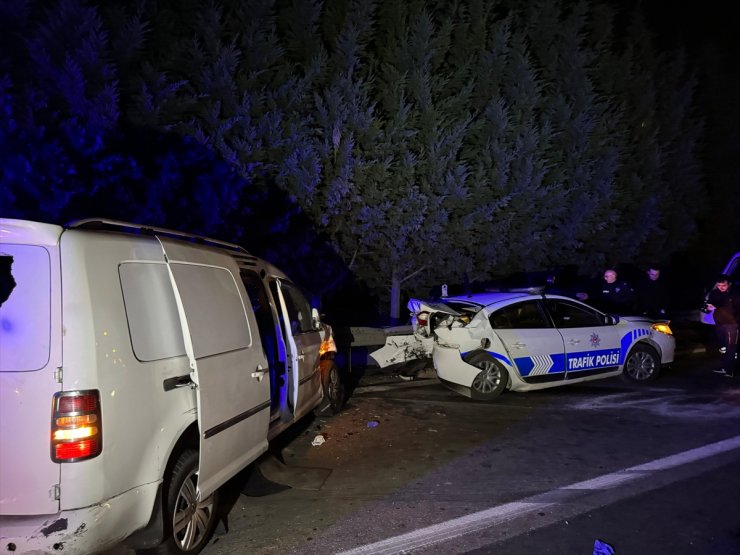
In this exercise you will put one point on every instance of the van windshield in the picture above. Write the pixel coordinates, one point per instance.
(25, 308)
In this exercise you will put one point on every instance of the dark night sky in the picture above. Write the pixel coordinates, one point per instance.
(712, 42)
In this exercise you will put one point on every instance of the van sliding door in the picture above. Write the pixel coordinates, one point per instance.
(227, 361)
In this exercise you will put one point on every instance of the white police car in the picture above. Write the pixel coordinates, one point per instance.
(486, 343)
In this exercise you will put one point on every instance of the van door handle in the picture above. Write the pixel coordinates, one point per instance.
(259, 373)
(178, 381)
(519, 345)
(301, 356)
(574, 341)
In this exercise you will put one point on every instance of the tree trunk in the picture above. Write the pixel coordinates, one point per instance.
(395, 297)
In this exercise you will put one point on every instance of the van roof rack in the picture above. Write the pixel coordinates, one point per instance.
(128, 227)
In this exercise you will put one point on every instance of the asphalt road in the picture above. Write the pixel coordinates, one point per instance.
(413, 467)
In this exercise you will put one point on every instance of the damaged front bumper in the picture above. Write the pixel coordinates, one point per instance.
(81, 531)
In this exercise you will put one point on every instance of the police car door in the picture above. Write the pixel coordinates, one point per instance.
(534, 345)
(302, 341)
(227, 362)
(591, 344)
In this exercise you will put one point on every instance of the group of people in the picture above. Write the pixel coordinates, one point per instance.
(613, 295)
(650, 298)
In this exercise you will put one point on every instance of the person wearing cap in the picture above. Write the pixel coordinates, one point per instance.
(724, 303)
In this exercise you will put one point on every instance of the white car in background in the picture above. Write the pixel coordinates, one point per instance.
(483, 344)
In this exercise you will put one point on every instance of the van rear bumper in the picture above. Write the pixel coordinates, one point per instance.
(80, 531)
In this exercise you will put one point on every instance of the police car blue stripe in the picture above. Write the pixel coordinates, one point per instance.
(494, 354)
(500, 357)
(539, 365)
(629, 339)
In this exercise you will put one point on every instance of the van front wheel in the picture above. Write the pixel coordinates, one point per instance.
(189, 524)
(332, 384)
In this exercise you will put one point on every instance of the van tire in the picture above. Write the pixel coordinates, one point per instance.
(199, 517)
(335, 392)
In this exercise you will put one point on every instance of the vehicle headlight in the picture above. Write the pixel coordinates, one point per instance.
(662, 327)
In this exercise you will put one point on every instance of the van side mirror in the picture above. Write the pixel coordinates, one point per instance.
(315, 319)
(611, 320)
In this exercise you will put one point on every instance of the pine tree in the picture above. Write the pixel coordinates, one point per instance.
(60, 101)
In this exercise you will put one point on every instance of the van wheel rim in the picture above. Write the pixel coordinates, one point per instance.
(192, 518)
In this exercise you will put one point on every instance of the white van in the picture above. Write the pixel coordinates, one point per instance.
(733, 270)
(140, 369)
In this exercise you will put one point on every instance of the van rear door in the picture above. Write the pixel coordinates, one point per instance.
(227, 361)
(30, 366)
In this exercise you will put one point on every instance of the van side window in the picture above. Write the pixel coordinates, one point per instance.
(151, 311)
(263, 313)
(216, 312)
(25, 315)
(299, 311)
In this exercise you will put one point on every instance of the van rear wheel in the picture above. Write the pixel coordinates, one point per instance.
(189, 524)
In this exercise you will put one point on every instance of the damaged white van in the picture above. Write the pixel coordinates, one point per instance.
(140, 369)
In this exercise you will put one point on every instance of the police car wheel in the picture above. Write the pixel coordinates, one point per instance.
(490, 381)
(642, 364)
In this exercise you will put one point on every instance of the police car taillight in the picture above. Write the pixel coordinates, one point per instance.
(422, 319)
(76, 427)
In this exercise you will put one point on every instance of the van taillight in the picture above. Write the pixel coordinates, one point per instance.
(76, 427)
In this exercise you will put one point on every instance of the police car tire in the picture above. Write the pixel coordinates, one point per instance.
(641, 359)
(492, 379)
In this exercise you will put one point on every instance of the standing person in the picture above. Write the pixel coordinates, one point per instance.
(652, 295)
(724, 303)
(614, 295)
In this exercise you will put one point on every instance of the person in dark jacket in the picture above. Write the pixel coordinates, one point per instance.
(652, 295)
(614, 296)
(724, 303)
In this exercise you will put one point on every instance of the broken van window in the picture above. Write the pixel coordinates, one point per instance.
(7, 281)
(25, 312)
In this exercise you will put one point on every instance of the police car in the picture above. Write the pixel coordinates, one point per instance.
(486, 343)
